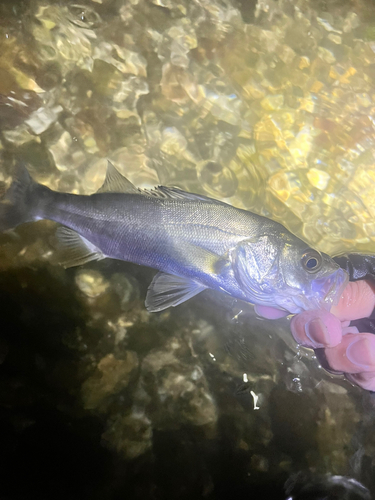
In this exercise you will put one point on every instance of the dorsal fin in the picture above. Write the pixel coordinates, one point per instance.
(178, 194)
(116, 183)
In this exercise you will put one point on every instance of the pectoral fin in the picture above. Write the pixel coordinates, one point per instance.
(76, 250)
(167, 290)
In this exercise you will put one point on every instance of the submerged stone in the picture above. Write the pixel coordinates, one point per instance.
(110, 377)
(91, 282)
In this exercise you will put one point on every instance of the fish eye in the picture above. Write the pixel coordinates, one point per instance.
(312, 261)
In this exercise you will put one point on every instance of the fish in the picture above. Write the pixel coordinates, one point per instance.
(195, 242)
(308, 486)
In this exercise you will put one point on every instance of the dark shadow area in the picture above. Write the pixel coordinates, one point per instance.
(51, 447)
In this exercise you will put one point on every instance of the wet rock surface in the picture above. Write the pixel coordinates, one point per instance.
(267, 105)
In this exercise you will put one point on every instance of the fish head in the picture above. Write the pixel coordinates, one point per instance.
(280, 270)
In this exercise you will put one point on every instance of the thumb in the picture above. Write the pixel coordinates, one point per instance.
(316, 329)
(357, 301)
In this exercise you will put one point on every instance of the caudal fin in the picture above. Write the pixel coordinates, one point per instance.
(17, 204)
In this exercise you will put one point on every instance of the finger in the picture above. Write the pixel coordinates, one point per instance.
(357, 301)
(350, 329)
(270, 312)
(365, 380)
(355, 354)
(316, 329)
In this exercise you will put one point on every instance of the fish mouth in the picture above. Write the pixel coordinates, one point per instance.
(324, 293)
(328, 290)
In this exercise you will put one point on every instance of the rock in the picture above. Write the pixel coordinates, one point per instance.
(91, 282)
(110, 377)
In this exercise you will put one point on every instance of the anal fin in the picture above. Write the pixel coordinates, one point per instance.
(76, 250)
(167, 290)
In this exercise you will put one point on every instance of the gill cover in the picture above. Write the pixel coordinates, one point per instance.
(255, 264)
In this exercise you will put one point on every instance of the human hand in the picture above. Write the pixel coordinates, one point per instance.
(344, 338)
(339, 344)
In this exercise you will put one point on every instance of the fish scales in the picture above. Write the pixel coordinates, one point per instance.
(121, 223)
(194, 241)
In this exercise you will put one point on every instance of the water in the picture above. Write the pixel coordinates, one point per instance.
(268, 106)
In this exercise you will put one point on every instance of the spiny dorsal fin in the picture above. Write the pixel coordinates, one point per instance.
(178, 194)
(167, 290)
(116, 183)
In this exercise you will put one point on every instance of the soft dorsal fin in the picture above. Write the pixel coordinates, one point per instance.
(116, 183)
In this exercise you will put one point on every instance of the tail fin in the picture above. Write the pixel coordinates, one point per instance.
(17, 204)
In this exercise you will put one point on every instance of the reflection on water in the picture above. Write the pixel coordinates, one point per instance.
(269, 106)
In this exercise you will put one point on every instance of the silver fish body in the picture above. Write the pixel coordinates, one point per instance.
(194, 241)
